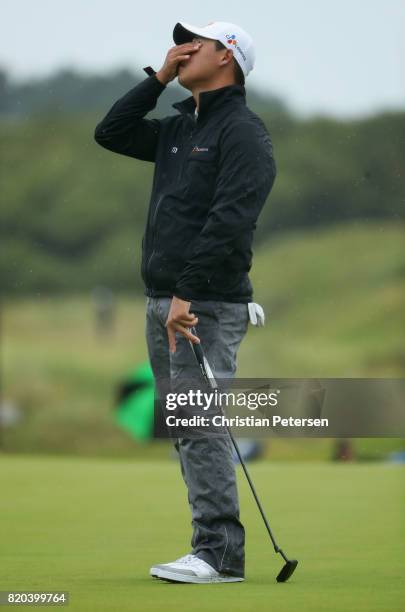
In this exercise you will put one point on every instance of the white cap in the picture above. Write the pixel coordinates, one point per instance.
(230, 35)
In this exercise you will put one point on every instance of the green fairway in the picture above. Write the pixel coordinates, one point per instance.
(93, 527)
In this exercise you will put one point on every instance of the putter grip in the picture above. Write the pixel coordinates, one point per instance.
(197, 348)
(199, 353)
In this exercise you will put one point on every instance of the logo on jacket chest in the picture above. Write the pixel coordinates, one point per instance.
(193, 150)
(199, 149)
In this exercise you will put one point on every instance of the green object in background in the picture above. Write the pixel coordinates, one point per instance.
(135, 403)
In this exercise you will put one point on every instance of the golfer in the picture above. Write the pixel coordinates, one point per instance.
(214, 169)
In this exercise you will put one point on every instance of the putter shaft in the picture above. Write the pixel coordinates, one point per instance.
(290, 564)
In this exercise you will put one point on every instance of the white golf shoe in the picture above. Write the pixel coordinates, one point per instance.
(190, 569)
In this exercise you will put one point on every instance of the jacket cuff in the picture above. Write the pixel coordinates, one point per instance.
(159, 86)
(182, 294)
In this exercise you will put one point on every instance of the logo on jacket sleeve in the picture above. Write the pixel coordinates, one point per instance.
(198, 149)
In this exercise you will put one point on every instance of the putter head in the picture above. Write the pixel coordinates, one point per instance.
(287, 570)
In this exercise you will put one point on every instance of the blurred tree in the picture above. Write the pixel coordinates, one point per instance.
(73, 214)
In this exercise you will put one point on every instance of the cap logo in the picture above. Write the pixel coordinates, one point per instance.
(231, 39)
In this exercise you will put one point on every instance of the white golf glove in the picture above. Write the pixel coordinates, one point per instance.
(256, 314)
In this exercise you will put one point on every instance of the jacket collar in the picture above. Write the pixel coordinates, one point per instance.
(212, 99)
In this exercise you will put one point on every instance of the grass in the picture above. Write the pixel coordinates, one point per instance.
(335, 300)
(93, 527)
(335, 303)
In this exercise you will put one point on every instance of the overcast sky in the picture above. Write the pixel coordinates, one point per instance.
(339, 58)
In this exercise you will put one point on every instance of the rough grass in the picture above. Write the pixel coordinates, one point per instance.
(335, 304)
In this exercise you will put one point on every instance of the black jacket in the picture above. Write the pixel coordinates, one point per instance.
(212, 176)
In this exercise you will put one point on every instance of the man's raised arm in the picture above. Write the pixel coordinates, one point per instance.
(124, 129)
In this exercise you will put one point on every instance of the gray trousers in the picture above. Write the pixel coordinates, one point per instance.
(206, 463)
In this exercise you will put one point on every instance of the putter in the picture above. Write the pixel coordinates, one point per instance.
(290, 564)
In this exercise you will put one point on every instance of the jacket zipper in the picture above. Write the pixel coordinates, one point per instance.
(153, 221)
(152, 228)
